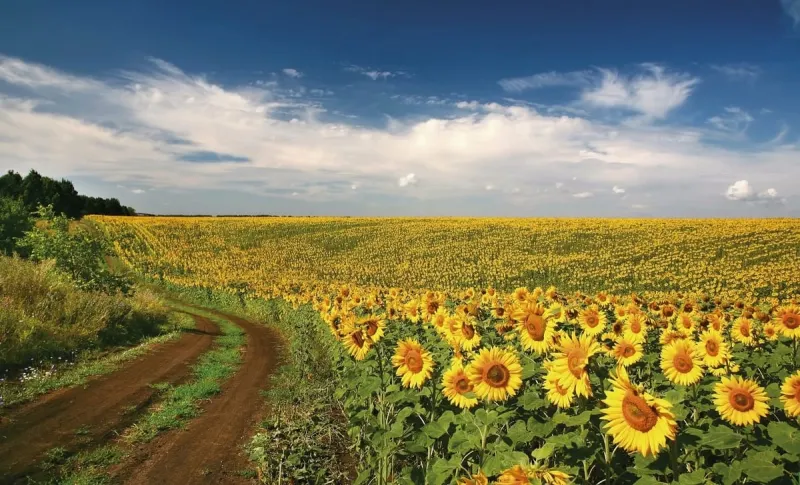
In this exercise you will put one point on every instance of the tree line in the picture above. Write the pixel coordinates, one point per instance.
(35, 190)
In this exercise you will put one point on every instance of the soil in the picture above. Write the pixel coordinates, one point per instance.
(83, 416)
(209, 450)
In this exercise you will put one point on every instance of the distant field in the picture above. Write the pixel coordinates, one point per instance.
(731, 258)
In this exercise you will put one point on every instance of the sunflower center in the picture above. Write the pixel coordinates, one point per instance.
(468, 331)
(683, 363)
(576, 362)
(791, 321)
(741, 400)
(497, 375)
(462, 385)
(638, 414)
(745, 330)
(712, 348)
(534, 324)
(628, 350)
(687, 324)
(414, 361)
(358, 339)
(433, 306)
(667, 312)
(617, 327)
(636, 327)
(769, 331)
(372, 327)
(797, 392)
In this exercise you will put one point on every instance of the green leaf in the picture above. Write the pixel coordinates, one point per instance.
(647, 480)
(498, 462)
(463, 442)
(530, 401)
(560, 418)
(697, 477)
(539, 429)
(518, 433)
(441, 471)
(580, 419)
(758, 467)
(730, 473)
(785, 435)
(720, 438)
(529, 370)
(544, 451)
(434, 429)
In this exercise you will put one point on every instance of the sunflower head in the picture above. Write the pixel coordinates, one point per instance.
(740, 401)
(790, 395)
(495, 374)
(680, 363)
(414, 364)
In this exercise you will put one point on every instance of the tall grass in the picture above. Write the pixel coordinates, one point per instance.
(43, 316)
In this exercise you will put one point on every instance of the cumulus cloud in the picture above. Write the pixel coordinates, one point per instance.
(618, 190)
(741, 190)
(654, 93)
(148, 129)
(546, 79)
(407, 180)
(292, 72)
(583, 195)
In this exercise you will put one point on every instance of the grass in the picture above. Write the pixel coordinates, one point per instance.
(88, 365)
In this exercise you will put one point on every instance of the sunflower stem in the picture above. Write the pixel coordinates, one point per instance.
(673, 458)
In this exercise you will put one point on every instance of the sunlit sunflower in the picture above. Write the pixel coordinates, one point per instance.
(514, 476)
(430, 307)
(681, 363)
(635, 327)
(557, 313)
(637, 421)
(669, 336)
(439, 318)
(457, 387)
(627, 352)
(713, 349)
(790, 395)
(787, 319)
(477, 479)
(497, 308)
(558, 395)
(521, 294)
(726, 369)
(686, 323)
(374, 327)
(495, 374)
(548, 476)
(742, 331)
(569, 363)
(740, 401)
(470, 338)
(592, 321)
(414, 364)
(356, 343)
(411, 311)
(770, 332)
(535, 331)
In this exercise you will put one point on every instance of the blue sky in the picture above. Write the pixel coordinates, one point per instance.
(421, 108)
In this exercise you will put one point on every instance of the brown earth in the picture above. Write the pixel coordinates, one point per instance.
(209, 449)
(81, 416)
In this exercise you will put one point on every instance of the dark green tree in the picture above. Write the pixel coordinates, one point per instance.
(15, 220)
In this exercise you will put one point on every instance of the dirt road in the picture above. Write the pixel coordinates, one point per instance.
(86, 415)
(209, 450)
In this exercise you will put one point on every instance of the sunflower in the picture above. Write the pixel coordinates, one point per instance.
(560, 396)
(635, 327)
(414, 364)
(535, 330)
(430, 307)
(636, 420)
(470, 338)
(716, 322)
(356, 343)
(713, 349)
(740, 401)
(457, 386)
(438, 319)
(680, 363)
(477, 479)
(514, 476)
(525, 474)
(770, 332)
(787, 319)
(627, 352)
(670, 336)
(495, 374)
(726, 369)
(686, 323)
(569, 364)
(374, 327)
(521, 294)
(592, 320)
(790, 395)
(411, 311)
(742, 331)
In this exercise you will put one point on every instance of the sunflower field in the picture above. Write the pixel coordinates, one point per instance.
(530, 351)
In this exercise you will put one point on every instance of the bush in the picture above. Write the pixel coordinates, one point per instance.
(44, 315)
(15, 220)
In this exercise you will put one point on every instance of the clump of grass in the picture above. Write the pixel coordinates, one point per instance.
(82, 367)
(181, 403)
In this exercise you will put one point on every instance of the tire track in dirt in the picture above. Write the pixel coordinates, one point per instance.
(80, 416)
(209, 449)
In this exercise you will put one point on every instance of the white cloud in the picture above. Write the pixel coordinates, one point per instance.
(140, 128)
(740, 190)
(292, 72)
(618, 190)
(734, 120)
(467, 105)
(138, 191)
(559, 185)
(375, 74)
(407, 180)
(768, 194)
(489, 187)
(583, 195)
(354, 187)
(546, 79)
(738, 72)
(792, 9)
(653, 93)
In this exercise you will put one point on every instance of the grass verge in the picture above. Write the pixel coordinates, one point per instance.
(36, 382)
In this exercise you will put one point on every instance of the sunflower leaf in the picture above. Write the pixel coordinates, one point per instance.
(720, 438)
(758, 466)
(519, 433)
(785, 436)
(730, 473)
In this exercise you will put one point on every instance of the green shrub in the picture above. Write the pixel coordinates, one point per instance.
(14, 221)
(43, 315)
